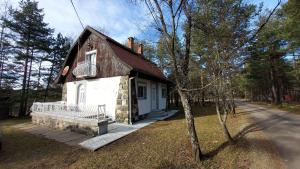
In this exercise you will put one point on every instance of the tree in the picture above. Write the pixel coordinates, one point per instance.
(169, 17)
(267, 69)
(31, 36)
(220, 31)
(59, 50)
(292, 21)
(5, 48)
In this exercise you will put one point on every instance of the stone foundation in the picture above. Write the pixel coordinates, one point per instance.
(122, 101)
(64, 92)
(84, 126)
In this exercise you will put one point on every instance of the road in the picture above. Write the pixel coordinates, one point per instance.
(282, 128)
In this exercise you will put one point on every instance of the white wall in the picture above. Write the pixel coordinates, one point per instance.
(98, 91)
(144, 105)
(162, 101)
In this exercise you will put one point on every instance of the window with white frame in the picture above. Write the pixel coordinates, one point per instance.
(142, 90)
(163, 92)
(90, 61)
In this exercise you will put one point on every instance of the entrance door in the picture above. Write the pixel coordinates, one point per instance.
(81, 96)
(153, 96)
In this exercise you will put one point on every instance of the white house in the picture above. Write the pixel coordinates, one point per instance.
(100, 71)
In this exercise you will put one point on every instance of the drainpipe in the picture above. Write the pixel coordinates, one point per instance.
(129, 101)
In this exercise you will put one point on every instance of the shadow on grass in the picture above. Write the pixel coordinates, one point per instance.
(240, 137)
(197, 110)
(14, 120)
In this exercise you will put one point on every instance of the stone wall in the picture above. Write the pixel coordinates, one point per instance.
(87, 127)
(64, 92)
(122, 101)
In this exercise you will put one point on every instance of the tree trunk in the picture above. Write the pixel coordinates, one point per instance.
(177, 99)
(39, 75)
(1, 55)
(28, 82)
(226, 133)
(48, 82)
(191, 126)
(21, 110)
(223, 122)
(233, 103)
(274, 88)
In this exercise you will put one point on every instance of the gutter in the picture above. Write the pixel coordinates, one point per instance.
(129, 101)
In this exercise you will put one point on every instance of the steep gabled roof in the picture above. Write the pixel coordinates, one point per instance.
(136, 61)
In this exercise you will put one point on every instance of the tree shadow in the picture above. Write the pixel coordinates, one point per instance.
(256, 125)
(240, 136)
(197, 110)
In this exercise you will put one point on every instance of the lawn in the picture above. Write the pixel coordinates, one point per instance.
(164, 144)
(289, 107)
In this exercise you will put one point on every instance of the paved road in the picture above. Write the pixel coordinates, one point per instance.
(281, 127)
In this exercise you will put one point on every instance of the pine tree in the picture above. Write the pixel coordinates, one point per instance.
(31, 37)
(5, 48)
(59, 50)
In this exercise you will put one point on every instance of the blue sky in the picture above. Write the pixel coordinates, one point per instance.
(118, 18)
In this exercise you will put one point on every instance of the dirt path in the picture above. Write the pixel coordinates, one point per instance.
(281, 127)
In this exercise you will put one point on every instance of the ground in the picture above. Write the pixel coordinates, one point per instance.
(289, 107)
(164, 144)
(281, 127)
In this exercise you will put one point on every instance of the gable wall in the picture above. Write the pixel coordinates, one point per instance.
(108, 65)
(97, 92)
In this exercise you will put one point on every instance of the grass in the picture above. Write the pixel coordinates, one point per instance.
(164, 144)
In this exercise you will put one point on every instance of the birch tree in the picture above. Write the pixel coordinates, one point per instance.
(171, 19)
(221, 33)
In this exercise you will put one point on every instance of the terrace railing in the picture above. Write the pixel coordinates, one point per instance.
(84, 69)
(90, 112)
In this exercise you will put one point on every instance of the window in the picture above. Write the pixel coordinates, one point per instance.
(163, 92)
(90, 57)
(90, 61)
(142, 91)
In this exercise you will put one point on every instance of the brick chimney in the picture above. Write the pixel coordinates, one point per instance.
(131, 43)
(140, 49)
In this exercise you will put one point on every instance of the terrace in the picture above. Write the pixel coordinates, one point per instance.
(91, 119)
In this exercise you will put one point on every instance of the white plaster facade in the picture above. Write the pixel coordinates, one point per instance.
(105, 91)
(98, 91)
(146, 105)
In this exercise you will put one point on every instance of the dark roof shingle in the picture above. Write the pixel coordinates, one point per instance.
(136, 61)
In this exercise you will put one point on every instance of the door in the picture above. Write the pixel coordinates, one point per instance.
(154, 96)
(81, 96)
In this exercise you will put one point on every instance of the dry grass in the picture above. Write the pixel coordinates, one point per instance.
(289, 107)
(164, 144)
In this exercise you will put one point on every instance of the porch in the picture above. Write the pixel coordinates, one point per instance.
(88, 119)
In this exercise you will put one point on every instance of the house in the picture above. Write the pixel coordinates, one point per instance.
(99, 72)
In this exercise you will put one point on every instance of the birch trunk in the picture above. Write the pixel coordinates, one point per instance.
(222, 121)
(197, 154)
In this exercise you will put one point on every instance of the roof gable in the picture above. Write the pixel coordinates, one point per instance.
(125, 55)
(136, 61)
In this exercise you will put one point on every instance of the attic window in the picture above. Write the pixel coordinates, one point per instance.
(90, 57)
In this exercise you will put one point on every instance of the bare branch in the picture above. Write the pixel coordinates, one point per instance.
(267, 20)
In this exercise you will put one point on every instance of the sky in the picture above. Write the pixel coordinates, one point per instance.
(119, 19)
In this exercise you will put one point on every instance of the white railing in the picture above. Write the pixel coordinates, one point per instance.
(73, 111)
(85, 69)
